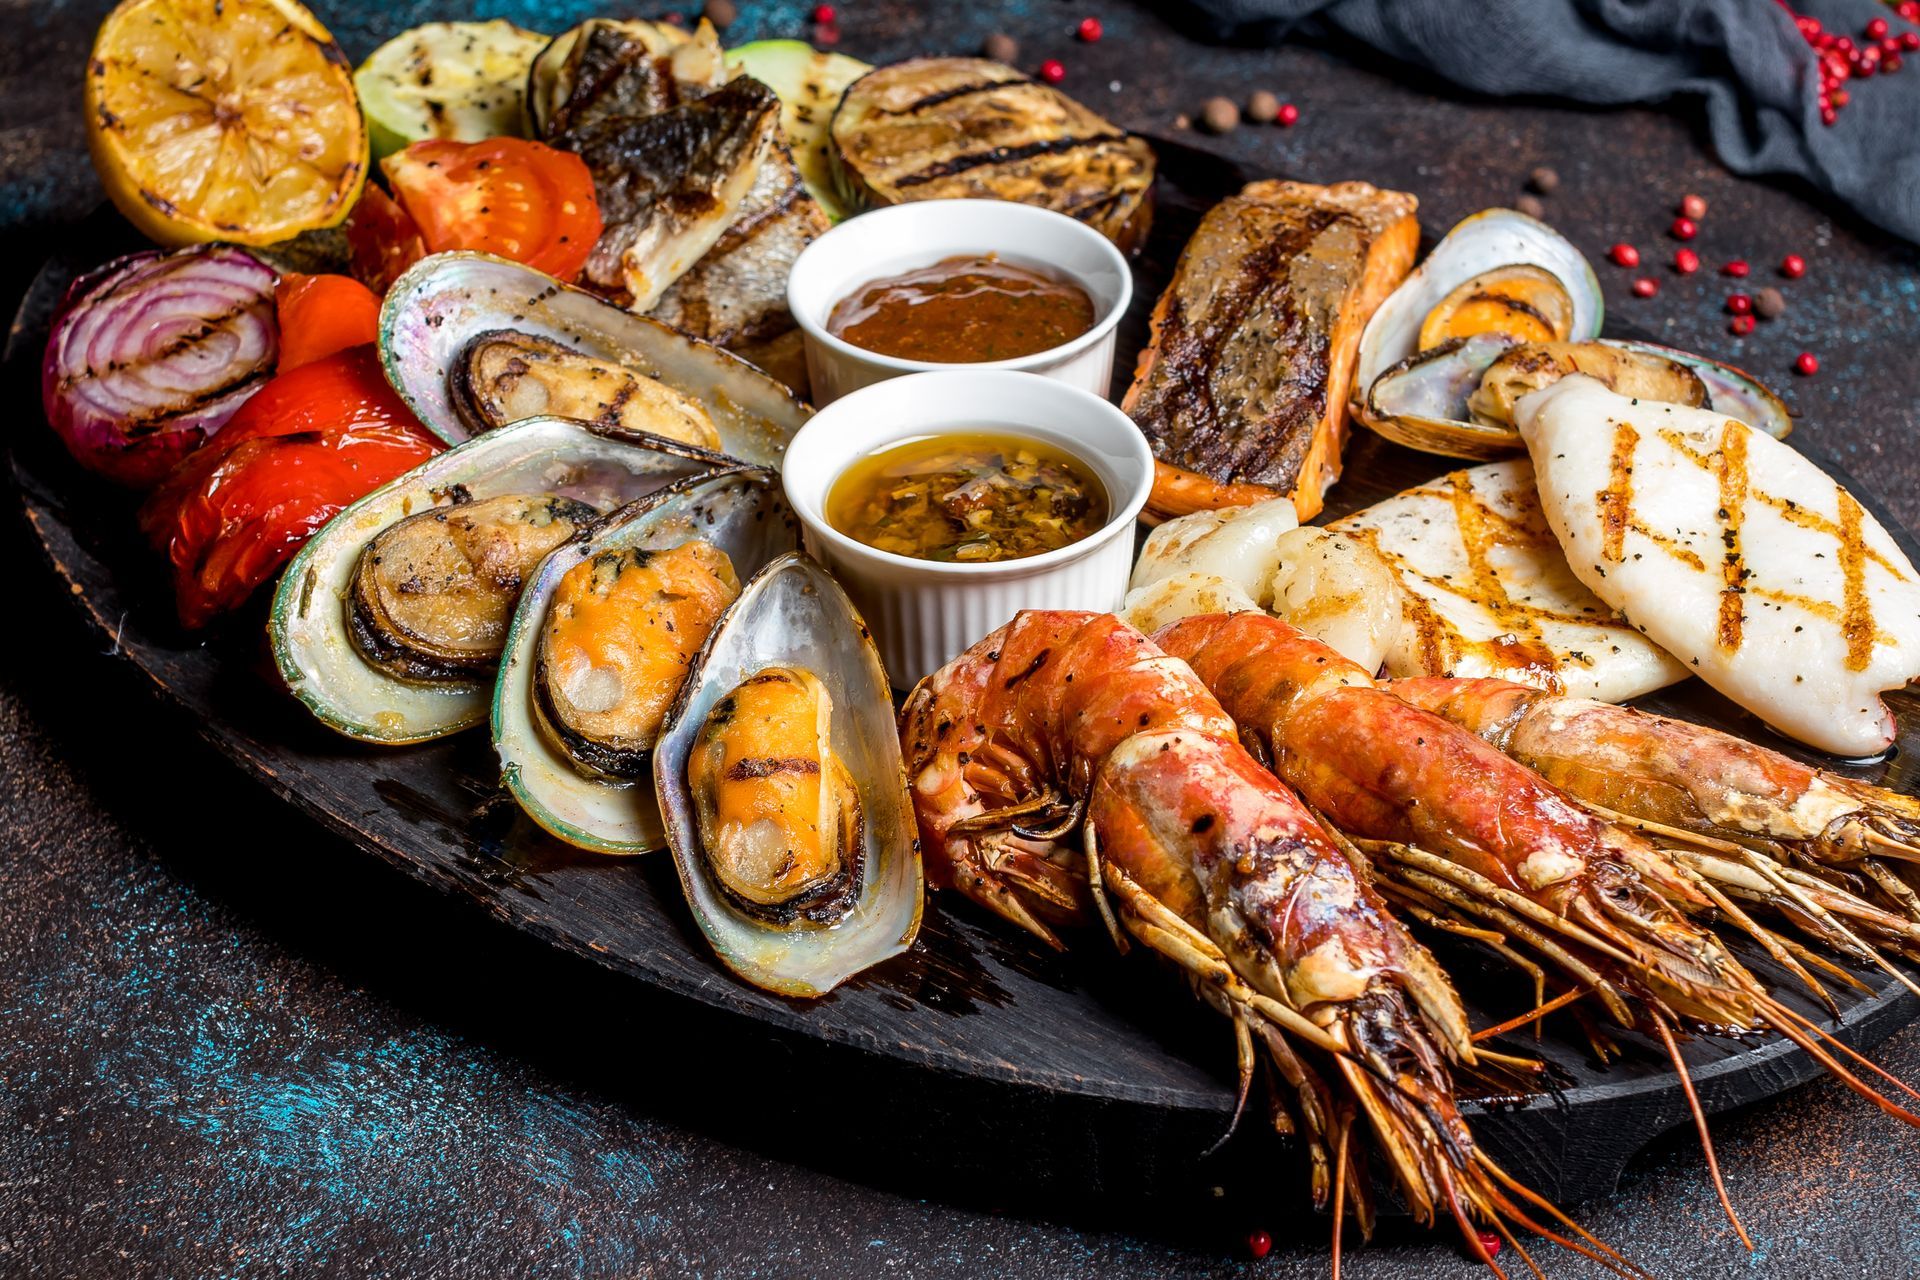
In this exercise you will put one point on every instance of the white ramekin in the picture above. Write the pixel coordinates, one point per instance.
(922, 612)
(902, 237)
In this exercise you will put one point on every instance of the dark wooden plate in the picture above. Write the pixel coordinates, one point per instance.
(980, 1050)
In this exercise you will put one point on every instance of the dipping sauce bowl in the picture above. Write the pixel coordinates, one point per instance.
(886, 242)
(923, 612)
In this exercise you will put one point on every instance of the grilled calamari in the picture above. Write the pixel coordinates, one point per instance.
(1244, 384)
(1744, 560)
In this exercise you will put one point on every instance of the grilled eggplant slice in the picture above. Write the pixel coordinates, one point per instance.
(504, 376)
(670, 183)
(936, 128)
(809, 82)
(1243, 386)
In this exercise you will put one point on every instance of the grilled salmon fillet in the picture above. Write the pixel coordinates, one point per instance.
(938, 128)
(1243, 387)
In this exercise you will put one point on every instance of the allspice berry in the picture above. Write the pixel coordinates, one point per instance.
(1769, 303)
(1532, 206)
(1262, 107)
(1220, 115)
(1544, 180)
(1002, 47)
(721, 13)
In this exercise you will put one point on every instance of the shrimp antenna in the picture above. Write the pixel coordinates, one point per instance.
(1700, 1122)
(1802, 1033)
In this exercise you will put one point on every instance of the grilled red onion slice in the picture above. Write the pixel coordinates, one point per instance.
(152, 353)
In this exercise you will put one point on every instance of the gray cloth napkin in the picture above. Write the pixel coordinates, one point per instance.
(1759, 79)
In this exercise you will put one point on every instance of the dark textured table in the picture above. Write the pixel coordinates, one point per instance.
(230, 1045)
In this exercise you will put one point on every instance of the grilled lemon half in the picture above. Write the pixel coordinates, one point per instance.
(224, 120)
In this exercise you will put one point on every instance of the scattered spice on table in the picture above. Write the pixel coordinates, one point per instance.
(1220, 115)
(1807, 364)
(1053, 71)
(1769, 303)
(1089, 31)
(1684, 228)
(1001, 47)
(1739, 304)
(1737, 268)
(1544, 180)
(1289, 115)
(1624, 255)
(1686, 261)
(1645, 287)
(721, 13)
(1793, 266)
(1263, 107)
(1531, 205)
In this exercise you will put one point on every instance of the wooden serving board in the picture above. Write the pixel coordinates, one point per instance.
(980, 1056)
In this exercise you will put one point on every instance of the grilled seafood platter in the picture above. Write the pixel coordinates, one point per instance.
(517, 458)
(390, 623)
(603, 637)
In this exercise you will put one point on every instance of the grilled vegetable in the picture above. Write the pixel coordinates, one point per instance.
(153, 353)
(461, 81)
(306, 445)
(226, 120)
(505, 196)
(809, 82)
(505, 376)
(322, 314)
(935, 128)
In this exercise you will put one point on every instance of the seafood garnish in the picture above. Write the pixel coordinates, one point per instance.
(1062, 721)
(1744, 560)
(1244, 384)
(1458, 832)
(596, 652)
(433, 314)
(378, 659)
(785, 802)
(1716, 800)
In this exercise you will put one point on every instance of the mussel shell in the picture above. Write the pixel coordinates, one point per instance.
(740, 510)
(388, 639)
(444, 301)
(1638, 374)
(1488, 240)
(307, 625)
(1425, 397)
(793, 614)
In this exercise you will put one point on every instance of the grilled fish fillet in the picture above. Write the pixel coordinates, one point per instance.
(1742, 558)
(938, 128)
(736, 296)
(1484, 590)
(1244, 384)
(671, 183)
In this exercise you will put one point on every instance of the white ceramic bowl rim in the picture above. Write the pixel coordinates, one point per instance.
(808, 314)
(1121, 518)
